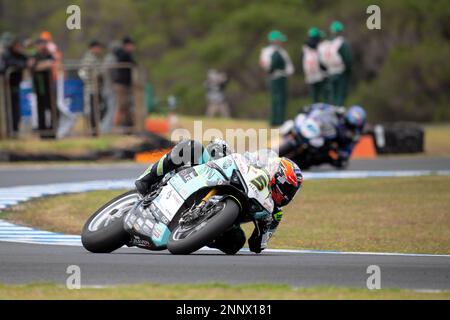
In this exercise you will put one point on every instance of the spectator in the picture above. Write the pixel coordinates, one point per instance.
(215, 85)
(65, 119)
(122, 79)
(5, 39)
(108, 95)
(313, 70)
(54, 51)
(335, 54)
(276, 62)
(91, 76)
(14, 61)
(42, 64)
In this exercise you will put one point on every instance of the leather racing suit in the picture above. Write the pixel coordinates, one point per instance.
(192, 153)
(334, 129)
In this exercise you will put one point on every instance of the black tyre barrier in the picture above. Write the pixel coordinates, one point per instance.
(401, 137)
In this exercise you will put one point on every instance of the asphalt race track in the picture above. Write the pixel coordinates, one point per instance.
(24, 263)
(36, 174)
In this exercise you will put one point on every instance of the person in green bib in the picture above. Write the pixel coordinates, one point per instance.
(275, 61)
(335, 54)
(313, 70)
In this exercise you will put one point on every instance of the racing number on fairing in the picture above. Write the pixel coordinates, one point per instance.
(188, 174)
(260, 182)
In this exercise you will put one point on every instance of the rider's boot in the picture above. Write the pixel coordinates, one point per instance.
(185, 152)
(148, 179)
(230, 242)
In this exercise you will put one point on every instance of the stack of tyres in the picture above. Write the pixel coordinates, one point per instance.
(397, 138)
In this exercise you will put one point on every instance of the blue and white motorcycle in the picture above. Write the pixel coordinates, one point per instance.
(189, 208)
(310, 142)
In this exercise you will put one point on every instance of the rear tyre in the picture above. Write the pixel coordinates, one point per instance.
(287, 147)
(104, 231)
(341, 164)
(212, 229)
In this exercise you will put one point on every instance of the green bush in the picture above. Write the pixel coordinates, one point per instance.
(400, 71)
(412, 85)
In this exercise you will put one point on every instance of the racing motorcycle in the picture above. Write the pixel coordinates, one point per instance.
(304, 143)
(188, 209)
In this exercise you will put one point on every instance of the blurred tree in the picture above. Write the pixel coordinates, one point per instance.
(400, 71)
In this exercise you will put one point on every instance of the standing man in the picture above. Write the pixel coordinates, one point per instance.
(312, 68)
(122, 80)
(108, 95)
(54, 51)
(335, 54)
(42, 64)
(14, 62)
(275, 60)
(215, 85)
(91, 76)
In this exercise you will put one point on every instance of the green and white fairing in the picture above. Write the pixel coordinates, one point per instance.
(256, 170)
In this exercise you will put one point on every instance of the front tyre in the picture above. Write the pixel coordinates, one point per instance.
(340, 164)
(184, 240)
(288, 146)
(104, 231)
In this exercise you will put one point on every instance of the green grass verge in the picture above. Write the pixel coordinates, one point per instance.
(408, 214)
(436, 137)
(208, 291)
(437, 140)
(221, 124)
(68, 146)
(63, 213)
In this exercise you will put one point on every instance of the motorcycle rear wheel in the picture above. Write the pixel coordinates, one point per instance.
(104, 231)
(287, 147)
(213, 228)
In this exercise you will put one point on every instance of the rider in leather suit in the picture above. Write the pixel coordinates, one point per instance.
(341, 127)
(285, 184)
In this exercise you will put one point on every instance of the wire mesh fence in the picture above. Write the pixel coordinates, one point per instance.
(83, 100)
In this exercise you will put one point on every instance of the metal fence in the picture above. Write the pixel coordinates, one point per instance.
(98, 98)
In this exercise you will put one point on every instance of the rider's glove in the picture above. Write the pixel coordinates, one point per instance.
(258, 240)
(343, 155)
(255, 242)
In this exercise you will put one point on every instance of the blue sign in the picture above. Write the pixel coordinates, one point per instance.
(73, 95)
(73, 92)
(27, 98)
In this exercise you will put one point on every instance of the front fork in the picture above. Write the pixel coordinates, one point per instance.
(211, 193)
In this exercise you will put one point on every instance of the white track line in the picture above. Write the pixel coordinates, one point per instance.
(13, 195)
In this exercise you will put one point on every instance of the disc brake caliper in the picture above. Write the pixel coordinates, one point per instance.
(201, 211)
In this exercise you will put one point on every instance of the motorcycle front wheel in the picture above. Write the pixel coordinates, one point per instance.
(104, 231)
(287, 147)
(185, 240)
